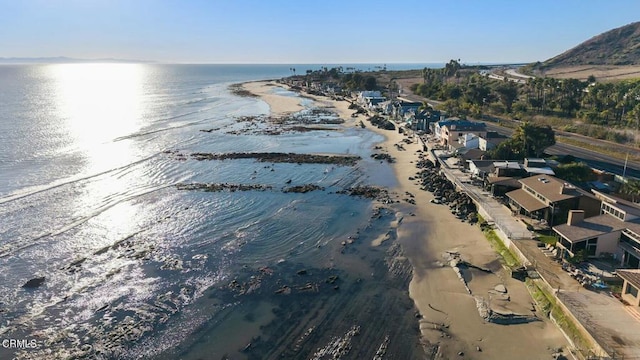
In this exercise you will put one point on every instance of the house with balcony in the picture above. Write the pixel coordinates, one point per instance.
(544, 197)
(421, 120)
(401, 108)
(368, 94)
(615, 231)
(448, 131)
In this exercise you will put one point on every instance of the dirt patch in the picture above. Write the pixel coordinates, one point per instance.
(601, 72)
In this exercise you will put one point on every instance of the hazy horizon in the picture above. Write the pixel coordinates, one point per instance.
(71, 60)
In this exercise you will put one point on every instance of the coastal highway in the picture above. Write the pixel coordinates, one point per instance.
(594, 159)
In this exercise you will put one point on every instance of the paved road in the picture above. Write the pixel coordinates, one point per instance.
(594, 159)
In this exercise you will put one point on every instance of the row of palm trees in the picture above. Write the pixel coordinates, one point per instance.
(601, 103)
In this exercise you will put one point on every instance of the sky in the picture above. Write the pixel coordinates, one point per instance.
(306, 31)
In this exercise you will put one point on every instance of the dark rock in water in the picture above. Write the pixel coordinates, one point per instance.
(34, 283)
(303, 189)
(215, 187)
(302, 272)
(388, 158)
(341, 160)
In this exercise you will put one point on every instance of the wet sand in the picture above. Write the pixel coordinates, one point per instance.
(449, 321)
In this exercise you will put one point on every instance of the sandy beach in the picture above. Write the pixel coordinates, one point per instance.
(450, 323)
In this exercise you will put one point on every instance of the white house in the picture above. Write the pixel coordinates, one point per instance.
(363, 95)
(469, 141)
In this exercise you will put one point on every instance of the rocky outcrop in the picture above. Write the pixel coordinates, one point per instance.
(275, 157)
(381, 122)
(34, 283)
(302, 188)
(215, 187)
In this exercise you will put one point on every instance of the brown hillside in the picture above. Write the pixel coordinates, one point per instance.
(619, 46)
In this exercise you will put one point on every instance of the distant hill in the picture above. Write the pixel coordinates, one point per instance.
(619, 46)
(62, 60)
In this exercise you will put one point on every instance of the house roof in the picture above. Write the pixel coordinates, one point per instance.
(631, 275)
(590, 228)
(525, 200)
(507, 164)
(409, 104)
(462, 125)
(539, 170)
(533, 161)
(472, 154)
(553, 189)
(456, 145)
(482, 165)
(504, 181)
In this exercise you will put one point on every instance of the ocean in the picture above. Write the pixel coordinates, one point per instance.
(92, 156)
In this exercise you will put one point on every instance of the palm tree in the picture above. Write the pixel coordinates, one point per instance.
(533, 139)
(425, 106)
(631, 188)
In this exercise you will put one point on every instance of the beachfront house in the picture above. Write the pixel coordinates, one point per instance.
(535, 166)
(544, 197)
(465, 155)
(386, 107)
(374, 103)
(616, 231)
(501, 176)
(332, 89)
(421, 120)
(469, 141)
(448, 131)
(400, 108)
(498, 177)
(480, 169)
(363, 96)
(491, 140)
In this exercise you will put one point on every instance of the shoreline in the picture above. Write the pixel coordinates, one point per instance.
(437, 292)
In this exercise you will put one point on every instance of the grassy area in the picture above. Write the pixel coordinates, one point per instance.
(547, 303)
(547, 239)
(497, 244)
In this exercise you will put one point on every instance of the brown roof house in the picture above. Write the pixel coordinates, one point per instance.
(616, 232)
(544, 197)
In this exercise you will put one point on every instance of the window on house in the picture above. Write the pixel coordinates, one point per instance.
(630, 289)
(592, 245)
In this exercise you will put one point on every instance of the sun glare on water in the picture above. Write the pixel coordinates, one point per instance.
(98, 106)
(99, 103)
